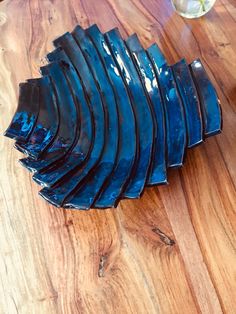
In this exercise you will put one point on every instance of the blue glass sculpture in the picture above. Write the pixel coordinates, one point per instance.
(108, 117)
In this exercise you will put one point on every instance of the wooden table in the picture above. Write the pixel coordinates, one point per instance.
(172, 251)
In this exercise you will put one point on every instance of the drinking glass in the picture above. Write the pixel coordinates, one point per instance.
(193, 8)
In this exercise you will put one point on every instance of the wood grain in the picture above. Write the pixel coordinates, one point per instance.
(172, 251)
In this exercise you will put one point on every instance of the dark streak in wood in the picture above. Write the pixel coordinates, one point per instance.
(163, 237)
(101, 267)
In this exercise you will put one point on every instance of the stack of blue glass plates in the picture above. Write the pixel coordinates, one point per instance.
(108, 117)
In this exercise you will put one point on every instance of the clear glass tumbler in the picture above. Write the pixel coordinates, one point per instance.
(193, 8)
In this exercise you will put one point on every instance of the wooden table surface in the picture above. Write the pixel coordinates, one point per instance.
(172, 251)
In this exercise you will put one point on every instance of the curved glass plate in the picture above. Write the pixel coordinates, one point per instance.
(26, 113)
(58, 194)
(127, 128)
(190, 101)
(174, 112)
(146, 72)
(210, 104)
(108, 117)
(47, 123)
(84, 196)
(82, 148)
(67, 132)
(143, 115)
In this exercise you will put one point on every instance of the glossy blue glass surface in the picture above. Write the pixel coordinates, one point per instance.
(26, 113)
(157, 173)
(143, 115)
(47, 123)
(81, 150)
(210, 104)
(84, 196)
(127, 130)
(58, 194)
(67, 130)
(108, 117)
(190, 101)
(174, 112)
